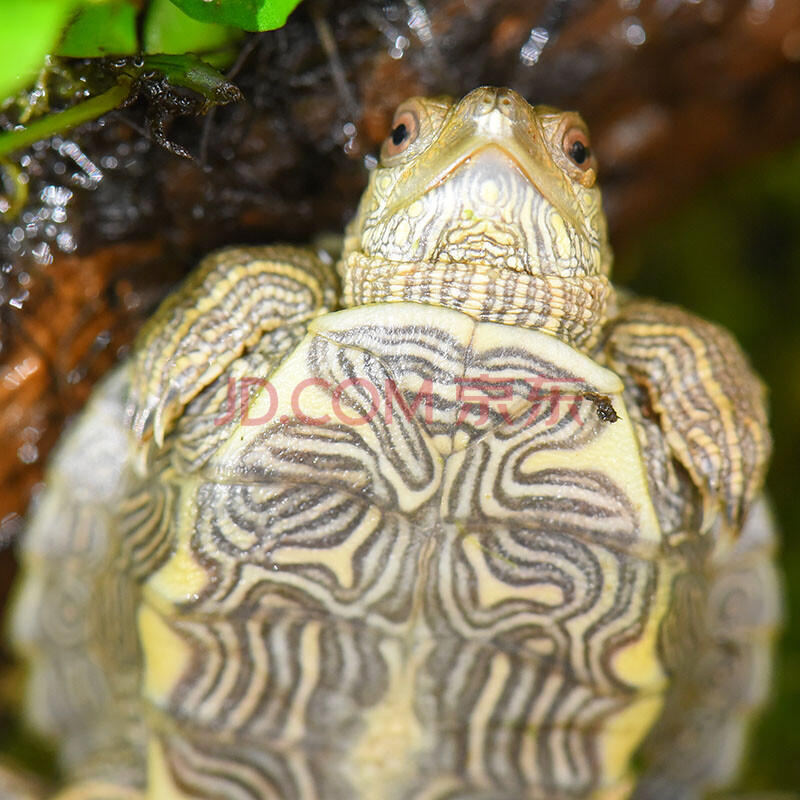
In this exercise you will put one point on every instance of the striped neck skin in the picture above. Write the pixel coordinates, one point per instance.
(572, 308)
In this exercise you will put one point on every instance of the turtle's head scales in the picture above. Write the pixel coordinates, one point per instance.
(486, 190)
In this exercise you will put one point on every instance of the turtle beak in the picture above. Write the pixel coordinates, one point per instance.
(488, 120)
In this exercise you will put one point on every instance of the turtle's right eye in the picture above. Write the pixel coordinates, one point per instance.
(405, 128)
(576, 146)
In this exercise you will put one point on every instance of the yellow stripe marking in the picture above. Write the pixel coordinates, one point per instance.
(166, 656)
(181, 578)
(338, 559)
(308, 665)
(492, 590)
(160, 785)
(499, 670)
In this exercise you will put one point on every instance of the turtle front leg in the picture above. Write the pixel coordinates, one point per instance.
(693, 380)
(701, 407)
(228, 304)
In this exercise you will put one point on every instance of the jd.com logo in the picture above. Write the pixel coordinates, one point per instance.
(543, 401)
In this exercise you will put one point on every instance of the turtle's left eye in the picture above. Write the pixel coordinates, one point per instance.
(399, 135)
(405, 128)
(576, 147)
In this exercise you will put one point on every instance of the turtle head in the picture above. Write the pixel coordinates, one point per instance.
(485, 191)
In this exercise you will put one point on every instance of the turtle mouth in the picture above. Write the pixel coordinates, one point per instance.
(485, 164)
(483, 173)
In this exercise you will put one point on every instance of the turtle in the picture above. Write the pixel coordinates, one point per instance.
(446, 517)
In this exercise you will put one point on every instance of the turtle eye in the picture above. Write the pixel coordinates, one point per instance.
(405, 128)
(577, 149)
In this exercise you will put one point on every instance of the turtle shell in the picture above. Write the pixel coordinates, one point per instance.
(397, 553)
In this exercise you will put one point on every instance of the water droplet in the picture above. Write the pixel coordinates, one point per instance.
(53, 195)
(398, 49)
(66, 242)
(18, 302)
(41, 252)
(634, 32)
(131, 300)
(351, 145)
(392, 12)
(532, 49)
(92, 175)
(28, 453)
(31, 434)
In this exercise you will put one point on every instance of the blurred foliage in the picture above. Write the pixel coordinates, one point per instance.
(167, 29)
(101, 29)
(251, 15)
(733, 256)
(28, 32)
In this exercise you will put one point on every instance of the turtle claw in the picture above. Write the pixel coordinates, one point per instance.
(155, 418)
(164, 415)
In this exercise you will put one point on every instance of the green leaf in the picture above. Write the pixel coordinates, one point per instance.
(30, 30)
(102, 29)
(168, 30)
(193, 73)
(251, 15)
